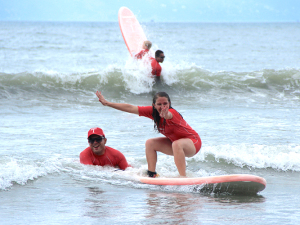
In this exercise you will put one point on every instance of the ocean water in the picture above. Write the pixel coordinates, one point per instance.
(236, 84)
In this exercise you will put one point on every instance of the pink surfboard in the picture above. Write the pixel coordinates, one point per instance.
(233, 184)
(131, 30)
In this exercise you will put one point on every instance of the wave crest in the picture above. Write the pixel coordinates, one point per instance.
(117, 82)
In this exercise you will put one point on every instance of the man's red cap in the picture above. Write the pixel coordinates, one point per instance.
(97, 131)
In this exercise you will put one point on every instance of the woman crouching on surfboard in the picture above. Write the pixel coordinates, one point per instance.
(181, 140)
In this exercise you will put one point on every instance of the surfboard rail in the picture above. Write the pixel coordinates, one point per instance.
(235, 183)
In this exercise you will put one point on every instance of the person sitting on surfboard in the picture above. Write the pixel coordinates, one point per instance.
(146, 47)
(99, 154)
(181, 140)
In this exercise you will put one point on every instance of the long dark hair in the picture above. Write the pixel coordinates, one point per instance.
(155, 113)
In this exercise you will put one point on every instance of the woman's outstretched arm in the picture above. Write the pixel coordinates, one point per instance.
(119, 106)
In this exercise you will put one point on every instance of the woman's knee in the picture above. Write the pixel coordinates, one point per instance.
(185, 145)
(149, 143)
(177, 146)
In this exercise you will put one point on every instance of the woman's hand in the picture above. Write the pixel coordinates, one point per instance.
(164, 113)
(101, 98)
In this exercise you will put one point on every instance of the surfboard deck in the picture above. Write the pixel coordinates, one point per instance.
(244, 184)
(131, 30)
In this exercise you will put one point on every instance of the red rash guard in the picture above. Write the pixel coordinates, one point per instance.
(156, 68)
(175, 128)
(141, 54)
(111, 157)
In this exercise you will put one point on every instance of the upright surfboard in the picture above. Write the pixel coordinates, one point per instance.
(243, 184)
(131, 30)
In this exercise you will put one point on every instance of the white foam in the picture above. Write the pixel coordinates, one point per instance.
(137, 76)
(19, 171)
(280, 157)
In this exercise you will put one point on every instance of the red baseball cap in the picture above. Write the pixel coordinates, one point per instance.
(97, 131)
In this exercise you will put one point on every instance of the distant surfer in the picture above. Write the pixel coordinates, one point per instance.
(159, 58)
(99, 154)
(146, 47)
(181, 140)
(156, 68)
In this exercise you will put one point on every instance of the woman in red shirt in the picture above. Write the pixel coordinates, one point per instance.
(181, 140)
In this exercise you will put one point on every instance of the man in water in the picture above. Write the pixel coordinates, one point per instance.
(159, 58)
(99, 154)
(156, 68)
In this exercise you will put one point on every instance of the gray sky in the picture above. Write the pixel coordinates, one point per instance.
(152, 10)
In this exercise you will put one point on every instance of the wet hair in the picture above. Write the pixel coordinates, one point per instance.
(155, 113)
(157, 53)
(148, 44)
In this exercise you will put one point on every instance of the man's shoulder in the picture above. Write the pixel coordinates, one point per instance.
(85, 151)
(154, 63)
(85, 156)
(152, 59)
(113, 151)
(110, 149)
